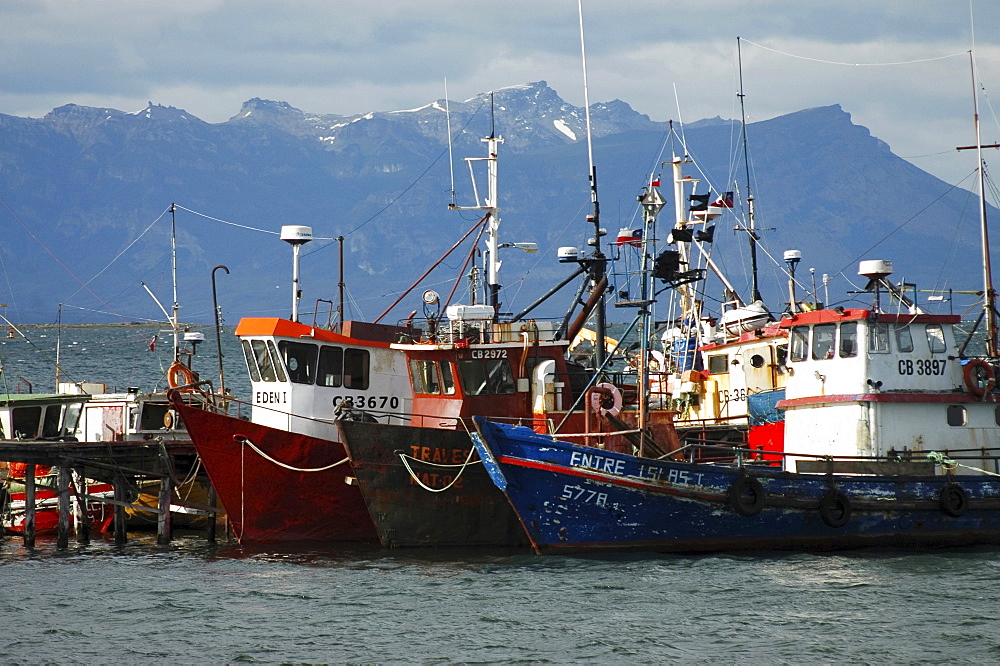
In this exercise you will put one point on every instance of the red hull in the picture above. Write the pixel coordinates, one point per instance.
(267, 502)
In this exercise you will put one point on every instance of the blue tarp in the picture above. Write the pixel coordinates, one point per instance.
(762, 407)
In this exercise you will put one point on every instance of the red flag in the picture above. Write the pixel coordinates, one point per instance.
(152, 343)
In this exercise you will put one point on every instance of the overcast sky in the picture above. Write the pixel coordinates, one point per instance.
(351, 56)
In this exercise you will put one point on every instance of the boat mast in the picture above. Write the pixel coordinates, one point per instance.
(492, 212)
(174, 320)
(754, 289)
(989, 295)
(58, 344)
(598, 262)
(652, 202)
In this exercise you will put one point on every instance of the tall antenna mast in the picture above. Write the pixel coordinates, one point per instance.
(598, 275)
(175, 320)
(490, 205)
(989, 295)
(451, 157)
(754, 288)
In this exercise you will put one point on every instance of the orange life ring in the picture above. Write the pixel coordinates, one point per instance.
(979, 377)
(180, 375)
(597, 399)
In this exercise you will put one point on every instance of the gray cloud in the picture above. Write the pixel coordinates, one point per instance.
(349, 56)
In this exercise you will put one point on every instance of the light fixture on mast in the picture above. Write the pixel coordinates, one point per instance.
(296, 235)
(792, 259)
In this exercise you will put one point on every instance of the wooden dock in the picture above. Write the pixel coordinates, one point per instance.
(120, 464)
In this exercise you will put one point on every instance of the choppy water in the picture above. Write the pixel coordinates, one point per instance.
(189, 602)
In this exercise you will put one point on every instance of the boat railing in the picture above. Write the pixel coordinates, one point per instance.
(908, 463)
(481, 330)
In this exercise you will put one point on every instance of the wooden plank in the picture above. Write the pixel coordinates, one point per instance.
(62, 531)
(121, 535)
(876, 467)
(163, 526)
(81, 511)
(29, 506)
(213, 519)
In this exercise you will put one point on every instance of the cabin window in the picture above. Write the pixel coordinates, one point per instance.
(800, 343)
(718, 364)
(501, 376)
(330, 371)
(473, 375)
(849, 339)
(152, 417)
(447, 379)
(279, 367)
(957, 415)
(424, 376)
(248, 356)
(781, 351)
(757, 361)
(50, 425)
(493, 376)
(267, 361)
(72, 417)
(356, 369)
(416, 379)
(935, 339)
(24, 422)
(878, 338)
(824, 336)
(904, 341)
(300, 359)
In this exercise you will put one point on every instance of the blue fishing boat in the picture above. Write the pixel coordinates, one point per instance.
(573, 498)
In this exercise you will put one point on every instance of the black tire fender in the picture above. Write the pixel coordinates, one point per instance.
(835, 508)
(954, 500)
(747, 496)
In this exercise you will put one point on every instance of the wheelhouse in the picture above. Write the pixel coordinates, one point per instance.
(300, 374)
(863, 383)
(40, 416)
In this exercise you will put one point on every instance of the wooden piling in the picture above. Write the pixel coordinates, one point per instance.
(214, 518)
(121, 535)
(163, 526)
(81, 509)
(62, 483)
(29, 506)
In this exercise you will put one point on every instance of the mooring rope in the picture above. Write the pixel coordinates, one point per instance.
(263, 455)
(413, 475)
(951, 465)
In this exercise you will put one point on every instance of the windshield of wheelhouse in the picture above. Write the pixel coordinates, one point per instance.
(308, 363)
(486, 377)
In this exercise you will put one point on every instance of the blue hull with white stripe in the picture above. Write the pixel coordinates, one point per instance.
(573, 498)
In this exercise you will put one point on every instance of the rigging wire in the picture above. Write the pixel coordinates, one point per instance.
(855, 64)
(66, 268)
(119, 255)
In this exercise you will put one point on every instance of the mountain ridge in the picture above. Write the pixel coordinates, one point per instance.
(93, 184)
